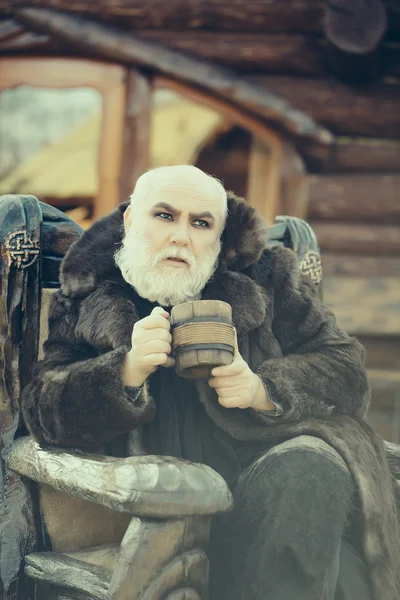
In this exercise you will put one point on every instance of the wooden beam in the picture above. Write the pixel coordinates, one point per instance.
(26, 40)
(364, 306)
(350, 265)
(116, 45)
(372, 110)
(345, 238)
(9, 28)
(136, 143)
(360, 155)
(359, 198)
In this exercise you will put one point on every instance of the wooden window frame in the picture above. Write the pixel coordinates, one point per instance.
(110, 81)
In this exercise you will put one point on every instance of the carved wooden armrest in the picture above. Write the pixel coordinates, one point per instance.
(146, 486)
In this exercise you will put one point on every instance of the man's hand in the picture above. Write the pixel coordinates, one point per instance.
(238, 386)
(151, 347)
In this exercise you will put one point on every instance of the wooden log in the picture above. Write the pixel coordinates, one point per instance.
(136, 150)
(261, 52)
(372, 110)
(113, 44)
(351, 265)
(383, 352)
(349, 155)
(364, 155)
(385, 386)
(354, 31)
(359, 198)
(346, 238)
(243, 51)
(365, 306)
(285, 16)
(288, 16)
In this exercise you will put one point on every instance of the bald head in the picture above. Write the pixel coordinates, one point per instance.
(184, 183)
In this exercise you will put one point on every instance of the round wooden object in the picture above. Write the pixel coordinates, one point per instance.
(202, 337)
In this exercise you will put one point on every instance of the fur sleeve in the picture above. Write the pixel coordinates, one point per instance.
(322, 369)
(76, 397)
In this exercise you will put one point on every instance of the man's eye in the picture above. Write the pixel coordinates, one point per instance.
(164, 215)
(201, 223)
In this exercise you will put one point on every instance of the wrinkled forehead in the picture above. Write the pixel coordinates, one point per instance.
(185, 190)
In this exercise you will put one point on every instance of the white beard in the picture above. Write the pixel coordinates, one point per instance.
(159, 282)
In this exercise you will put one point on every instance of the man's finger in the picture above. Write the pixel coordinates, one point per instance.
(158, 310)
(234, 368)
(224, 382)
(170, 362)
(231, 402)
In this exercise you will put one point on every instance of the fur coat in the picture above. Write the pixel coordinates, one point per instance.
(311, 368)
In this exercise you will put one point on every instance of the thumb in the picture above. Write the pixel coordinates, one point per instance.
(158, 310)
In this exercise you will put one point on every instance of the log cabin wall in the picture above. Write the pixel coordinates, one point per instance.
(339, 62)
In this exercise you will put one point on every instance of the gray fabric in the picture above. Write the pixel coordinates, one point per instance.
(284, 539)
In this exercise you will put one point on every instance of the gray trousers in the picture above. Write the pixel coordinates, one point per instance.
(284, 538)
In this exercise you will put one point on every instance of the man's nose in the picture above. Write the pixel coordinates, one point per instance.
(180, 235)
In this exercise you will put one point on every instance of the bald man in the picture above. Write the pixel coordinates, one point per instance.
(105, 374)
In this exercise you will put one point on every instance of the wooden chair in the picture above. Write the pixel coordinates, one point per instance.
(168, 503)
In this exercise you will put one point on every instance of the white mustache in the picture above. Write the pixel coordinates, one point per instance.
(174, 252)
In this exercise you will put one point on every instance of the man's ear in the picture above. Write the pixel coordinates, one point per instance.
(127, 218)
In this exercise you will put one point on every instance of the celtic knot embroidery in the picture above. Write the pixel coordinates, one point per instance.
(21, 249)
(311, 265)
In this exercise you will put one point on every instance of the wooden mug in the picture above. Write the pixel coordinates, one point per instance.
(203, 337)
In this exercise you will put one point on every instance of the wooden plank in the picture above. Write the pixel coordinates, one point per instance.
(359, 198)
(366, 155)
(345, 238)
(136, 137)
(372, 110)
(116, 45)
(351, 265)
(365, 306)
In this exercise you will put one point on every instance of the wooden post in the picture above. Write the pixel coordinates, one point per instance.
(136, 142)
(295, 184)
(263, 184)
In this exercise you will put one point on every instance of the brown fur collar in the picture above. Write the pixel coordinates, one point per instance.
(89, 261)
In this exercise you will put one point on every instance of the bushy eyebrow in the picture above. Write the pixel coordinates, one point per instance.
(204, 215)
